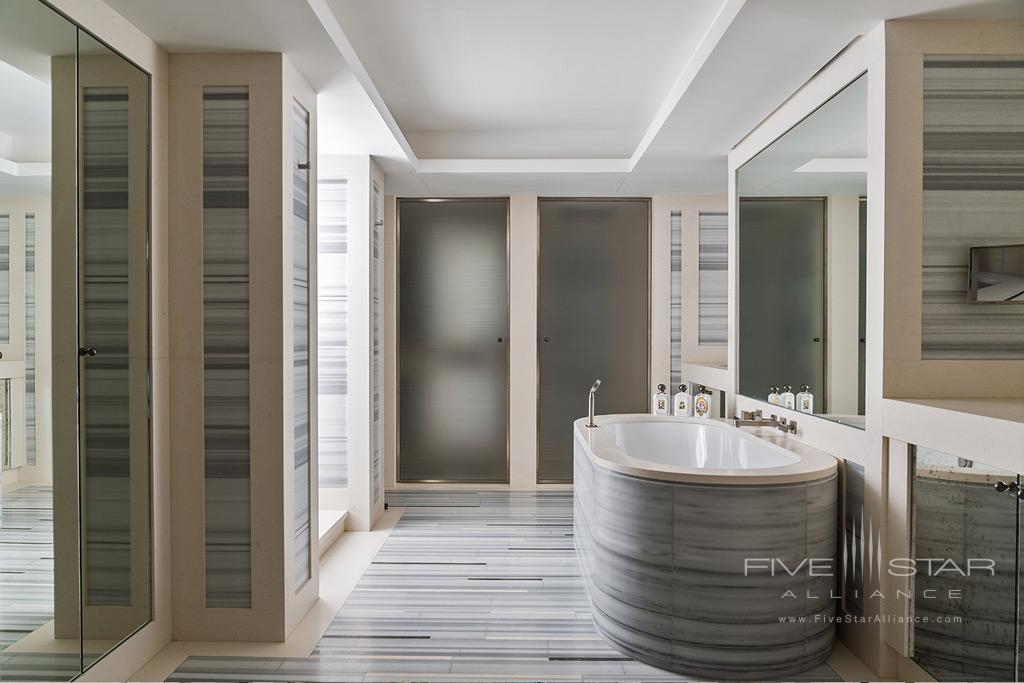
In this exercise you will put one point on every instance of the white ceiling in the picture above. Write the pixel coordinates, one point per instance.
(525, 78)
(24, 115)
(287, 26)
(568, 97)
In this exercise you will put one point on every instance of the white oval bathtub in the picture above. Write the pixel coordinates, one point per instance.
(699, 451)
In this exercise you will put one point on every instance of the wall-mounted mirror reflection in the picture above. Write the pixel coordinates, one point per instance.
(966, 626)
(802, 230)
(74, 346)
(35, 42)
(997, 274)
(113, 320)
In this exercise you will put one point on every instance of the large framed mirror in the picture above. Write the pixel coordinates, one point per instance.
(802, 235)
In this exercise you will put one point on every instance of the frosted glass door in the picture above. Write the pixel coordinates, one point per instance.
(453, 341)
(782, 285)
(593, 318)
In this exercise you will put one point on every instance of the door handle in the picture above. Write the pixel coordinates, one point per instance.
(87, 351)
(547, 339)
(817, 339)
(499, 340)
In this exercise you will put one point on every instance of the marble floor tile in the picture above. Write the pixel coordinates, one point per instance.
(470, 586)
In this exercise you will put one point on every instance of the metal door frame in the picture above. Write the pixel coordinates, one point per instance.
(647, 201)
(398, 338)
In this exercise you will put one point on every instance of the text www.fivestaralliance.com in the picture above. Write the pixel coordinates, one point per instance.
(876, 619)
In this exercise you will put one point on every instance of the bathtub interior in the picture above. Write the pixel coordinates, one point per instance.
(709, 446)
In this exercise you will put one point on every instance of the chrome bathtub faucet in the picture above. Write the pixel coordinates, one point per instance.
(590, 404)
(786, 426)
(754, 418)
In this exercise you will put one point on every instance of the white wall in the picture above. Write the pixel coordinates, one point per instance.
(843, 338)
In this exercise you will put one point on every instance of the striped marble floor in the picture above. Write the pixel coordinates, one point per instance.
(26, 561)
(26, 585)
(469, 587)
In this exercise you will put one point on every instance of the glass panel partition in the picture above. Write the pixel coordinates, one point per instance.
(74, 346)
(39, 577)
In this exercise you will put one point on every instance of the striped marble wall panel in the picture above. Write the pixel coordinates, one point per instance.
(676, 301)
(973, 196)
(104, 324)
(300, 340)
(377, 465)
(5, 278)
(30, 338)
(332, 330)
(226, 431)
(854, 541)
(713, 266)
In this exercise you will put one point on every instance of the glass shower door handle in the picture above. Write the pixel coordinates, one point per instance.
(87, 351)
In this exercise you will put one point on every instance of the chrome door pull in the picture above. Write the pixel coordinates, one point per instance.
(87, 351)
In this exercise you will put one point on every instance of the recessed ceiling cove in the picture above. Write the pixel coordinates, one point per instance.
(525, 79)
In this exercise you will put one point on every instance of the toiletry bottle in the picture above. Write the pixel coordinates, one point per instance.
(787, 398)
(659, 404)
(702, 403)
(681, 405)
(805, 399)
(773, 396)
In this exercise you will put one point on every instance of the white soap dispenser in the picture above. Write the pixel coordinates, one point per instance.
(805, 399)
(773, 396)
(659, 404)
(681, 405)
(787, 398)
(702, 403)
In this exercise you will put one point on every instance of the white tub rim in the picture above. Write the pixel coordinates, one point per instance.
(600, 447)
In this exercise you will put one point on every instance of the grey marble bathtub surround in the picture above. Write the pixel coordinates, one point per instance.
(664, 567)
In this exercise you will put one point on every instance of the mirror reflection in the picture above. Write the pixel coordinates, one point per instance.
(802, 226)
(74, 425)
(997, 274)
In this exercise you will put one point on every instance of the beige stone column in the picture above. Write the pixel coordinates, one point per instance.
(275, 604)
